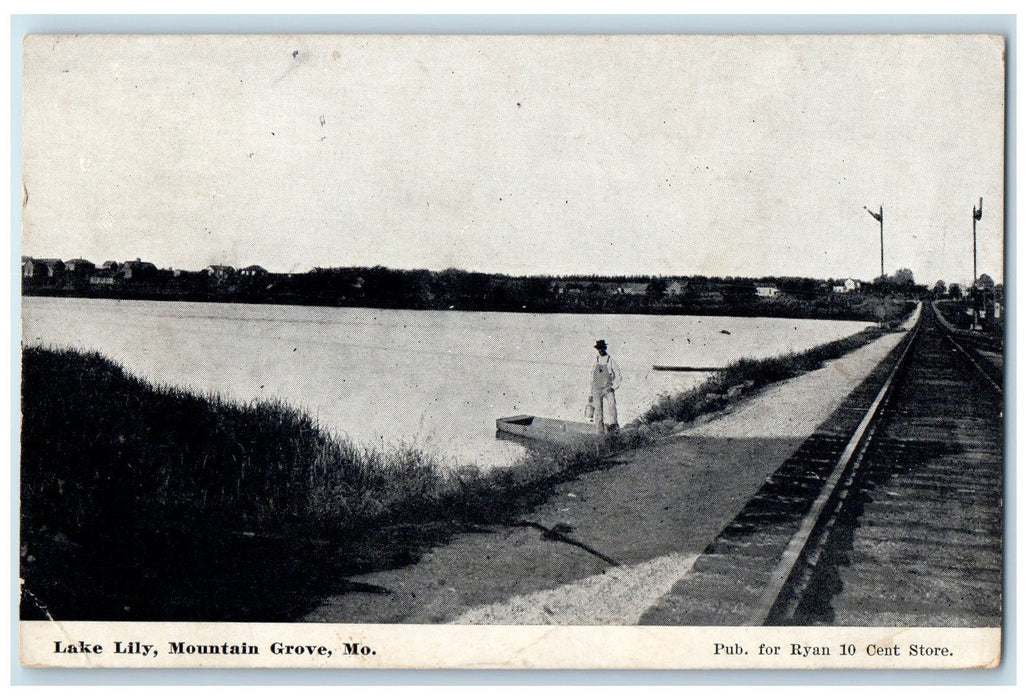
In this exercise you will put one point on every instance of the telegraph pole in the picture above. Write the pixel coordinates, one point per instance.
(879, 215)
(978, 211)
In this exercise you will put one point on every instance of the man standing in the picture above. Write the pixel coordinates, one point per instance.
(605, 380)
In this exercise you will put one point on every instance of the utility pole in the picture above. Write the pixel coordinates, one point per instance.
(978, 211)
(879, 215)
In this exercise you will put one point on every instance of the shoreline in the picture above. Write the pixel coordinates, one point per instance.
(400, 508)
(854, 307)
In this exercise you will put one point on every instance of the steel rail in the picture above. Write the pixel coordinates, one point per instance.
(974, 362)
(797, 548)
(951, 332)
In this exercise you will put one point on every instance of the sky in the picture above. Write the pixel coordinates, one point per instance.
(637, 155)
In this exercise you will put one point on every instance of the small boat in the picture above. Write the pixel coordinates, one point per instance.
(545, 429)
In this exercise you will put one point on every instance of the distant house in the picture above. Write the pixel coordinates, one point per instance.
(111, 265)
(102, 278)
(769, 291)
(847, 286)
(631, 288)
(31, 268)
(253, 271)
(78, 266)
(675, 288)
(41, 268)
(219, 271)
(137, 270)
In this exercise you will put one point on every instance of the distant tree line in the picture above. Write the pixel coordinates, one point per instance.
(453, 289)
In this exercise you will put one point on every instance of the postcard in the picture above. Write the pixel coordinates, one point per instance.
(412, 351)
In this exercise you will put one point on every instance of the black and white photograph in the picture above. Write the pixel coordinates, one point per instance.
(334, 344)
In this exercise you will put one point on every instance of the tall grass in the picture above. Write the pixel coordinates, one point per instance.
(103, 451)
(747, 376)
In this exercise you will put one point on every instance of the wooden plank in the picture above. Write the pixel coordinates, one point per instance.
(685, 368)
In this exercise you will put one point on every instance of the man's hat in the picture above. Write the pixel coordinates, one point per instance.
(600, 345)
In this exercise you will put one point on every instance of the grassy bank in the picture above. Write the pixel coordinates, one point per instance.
(148, 502)
(134, 451)
(124, 484)
(747, 376)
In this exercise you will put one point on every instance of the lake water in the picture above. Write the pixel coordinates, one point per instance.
(434, 379)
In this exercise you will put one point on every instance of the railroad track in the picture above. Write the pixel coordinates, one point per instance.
(889, 515)
(985, 352)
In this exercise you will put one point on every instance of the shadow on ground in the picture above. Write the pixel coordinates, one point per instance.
(638, 505)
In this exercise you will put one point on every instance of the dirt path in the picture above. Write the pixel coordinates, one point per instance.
(795, 408)
(651, 511)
